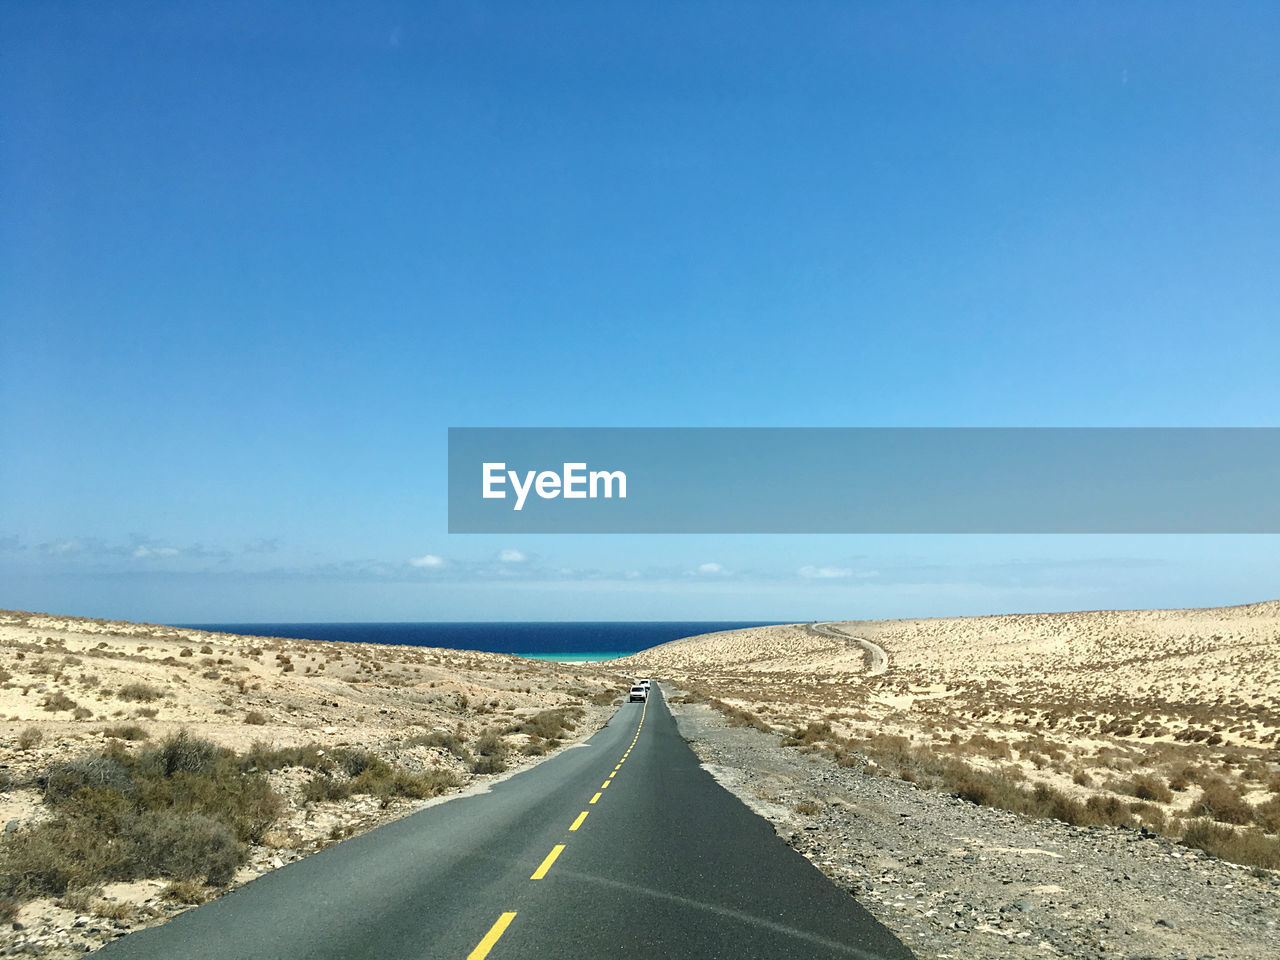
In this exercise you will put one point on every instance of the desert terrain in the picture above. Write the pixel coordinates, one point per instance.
(214, 758)
(1088, 729)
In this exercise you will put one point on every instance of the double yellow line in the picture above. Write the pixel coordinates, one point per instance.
(500, 926)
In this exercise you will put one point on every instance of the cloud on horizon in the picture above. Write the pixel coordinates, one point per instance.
(824, 573)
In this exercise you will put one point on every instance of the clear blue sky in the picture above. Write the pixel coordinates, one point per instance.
(256, 258)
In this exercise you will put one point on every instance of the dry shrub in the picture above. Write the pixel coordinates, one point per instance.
(126, 731)
(80, 899)
(440, 738)
(113, 910)
(738, 717)
(255, 718)
(548, 724)
(58, 701)
(1249, 847)
(1219, 801)
(1267, 815)
(30, 738)
(183, 810)
(808, 735)
(808, 808)
(981, 743)
(367, 773)
(1150, 787)
(185, 891)
(139, 692)
(188, 846)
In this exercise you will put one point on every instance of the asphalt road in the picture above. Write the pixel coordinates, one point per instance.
(665, 863)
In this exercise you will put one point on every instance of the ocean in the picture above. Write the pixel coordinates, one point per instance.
(573, 640)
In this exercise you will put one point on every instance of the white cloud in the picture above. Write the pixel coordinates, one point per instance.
(429, 560)
(824, 573)
(711, 568)
(511, 556)
(143, 550)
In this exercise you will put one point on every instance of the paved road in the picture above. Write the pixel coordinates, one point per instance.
(665, 863)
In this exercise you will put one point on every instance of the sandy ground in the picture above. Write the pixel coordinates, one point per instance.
(66, 684)
(1085, 702)
(1133, 717)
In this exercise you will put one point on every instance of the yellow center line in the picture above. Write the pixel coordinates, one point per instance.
(546, 864)
(498, 929)
(594, 799)
(577, 823)
(612, 775)
(605, 785)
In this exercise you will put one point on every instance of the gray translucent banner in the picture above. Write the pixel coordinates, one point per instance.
(864, 480)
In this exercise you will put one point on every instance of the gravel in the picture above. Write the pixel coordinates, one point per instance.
(954, 880)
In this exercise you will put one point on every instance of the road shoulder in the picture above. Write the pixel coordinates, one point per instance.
(953, 879)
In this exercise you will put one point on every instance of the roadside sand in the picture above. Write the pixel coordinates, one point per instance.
(67, 684)
(1087, 703)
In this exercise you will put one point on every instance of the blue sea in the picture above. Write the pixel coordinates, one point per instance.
(574, 640)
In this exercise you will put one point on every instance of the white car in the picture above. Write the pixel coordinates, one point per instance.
(645, 682)
(638, 693)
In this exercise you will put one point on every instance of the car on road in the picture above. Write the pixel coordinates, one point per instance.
(638, 693)
(645, 682)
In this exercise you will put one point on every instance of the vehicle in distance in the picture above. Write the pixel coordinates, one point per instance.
(638, 693)
(645, 682)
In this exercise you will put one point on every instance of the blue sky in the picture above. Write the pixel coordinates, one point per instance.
(257, 258)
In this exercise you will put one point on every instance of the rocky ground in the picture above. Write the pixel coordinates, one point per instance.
(955, 880)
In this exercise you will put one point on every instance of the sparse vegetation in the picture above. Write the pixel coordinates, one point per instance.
(182, 809)
(1219, 801)
(1249, 847)
(126, 731)
(58, 701)
(30, 738)
(362, 772)
(139, 692)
